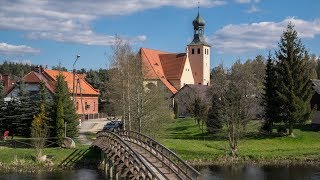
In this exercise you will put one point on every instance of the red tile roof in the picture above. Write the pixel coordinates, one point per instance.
(85, 86)
(153, 68)
(34, 77)
(173, 65)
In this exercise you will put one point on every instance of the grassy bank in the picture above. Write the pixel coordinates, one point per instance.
(185, 138)
(22, 159)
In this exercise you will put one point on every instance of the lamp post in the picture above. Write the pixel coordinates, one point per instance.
(74, 78)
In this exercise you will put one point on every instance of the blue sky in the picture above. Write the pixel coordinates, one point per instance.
(49, 32)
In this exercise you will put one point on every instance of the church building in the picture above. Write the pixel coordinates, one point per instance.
(176, 70)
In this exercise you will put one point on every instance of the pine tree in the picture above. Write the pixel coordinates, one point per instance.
(21, 112)
(270, 103)
(2, 106)
(69, 115)
(59, 126)
(214, 120)
(294, 85)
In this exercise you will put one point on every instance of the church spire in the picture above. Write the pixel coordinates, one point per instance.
(198, 26)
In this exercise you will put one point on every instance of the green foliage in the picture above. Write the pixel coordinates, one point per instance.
(15, 69)
(176, 109)
(59, 127)
(214, 120)
(18, 114)
(184, 138)
(63, 110)
(39, 127)
(294, 88)
(270, 100)
(199, 110)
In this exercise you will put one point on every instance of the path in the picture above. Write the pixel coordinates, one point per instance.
(90, 126)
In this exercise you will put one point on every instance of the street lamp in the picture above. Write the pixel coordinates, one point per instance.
(74, 78)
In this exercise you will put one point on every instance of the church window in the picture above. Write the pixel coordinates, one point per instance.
(198, 50)
(205, 51)
(192, 51)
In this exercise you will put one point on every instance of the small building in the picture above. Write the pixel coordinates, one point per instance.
(185, 97)
(86, 97)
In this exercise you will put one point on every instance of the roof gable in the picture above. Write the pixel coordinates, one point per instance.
(152, 66)
(173, 64)
(85, 86)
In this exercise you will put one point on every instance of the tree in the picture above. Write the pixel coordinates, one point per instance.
(234, 100)
(176, 109)
(270, 98)
(214, 121)
(64, 110)
(199, 111)
(143, 108)
(294, 85)
(39, 127)
(59, 126)
(20, 112)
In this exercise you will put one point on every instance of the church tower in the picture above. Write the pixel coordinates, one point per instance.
(199, 53)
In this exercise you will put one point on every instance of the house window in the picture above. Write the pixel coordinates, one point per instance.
(192, 51)
(87, 106)
(198, 50)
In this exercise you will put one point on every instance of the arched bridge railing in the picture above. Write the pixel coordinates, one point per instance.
(123, 155)
(163, 154)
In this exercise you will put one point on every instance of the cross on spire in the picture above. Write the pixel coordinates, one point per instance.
(198, 5)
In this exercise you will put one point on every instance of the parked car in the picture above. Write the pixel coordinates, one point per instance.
(113, 126)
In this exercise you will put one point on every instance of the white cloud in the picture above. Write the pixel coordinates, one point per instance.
(253, 9)
(247, 1)
(8, 49)
(70, 21)
(244, 38)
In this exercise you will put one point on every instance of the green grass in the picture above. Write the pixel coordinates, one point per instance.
(185, 138)
(25, 157)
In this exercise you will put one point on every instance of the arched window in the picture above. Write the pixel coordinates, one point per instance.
(198, 50)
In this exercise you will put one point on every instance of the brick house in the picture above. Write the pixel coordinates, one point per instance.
(86, 97)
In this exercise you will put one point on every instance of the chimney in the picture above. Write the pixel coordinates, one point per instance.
(6, 81)
(37, 69)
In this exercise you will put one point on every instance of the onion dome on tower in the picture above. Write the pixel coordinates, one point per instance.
(198, 26)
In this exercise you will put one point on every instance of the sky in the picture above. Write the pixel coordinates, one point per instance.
(47, 33)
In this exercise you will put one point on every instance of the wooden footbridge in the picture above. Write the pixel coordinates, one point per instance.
(132, 155)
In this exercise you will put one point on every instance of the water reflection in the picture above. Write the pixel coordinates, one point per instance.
(254, 172)
(81, 174)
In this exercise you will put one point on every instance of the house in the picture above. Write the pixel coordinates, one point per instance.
(7, 82)
(185, 97)
(175, 70)
(86, 97)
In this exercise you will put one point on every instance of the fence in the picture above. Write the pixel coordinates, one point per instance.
(95, 116)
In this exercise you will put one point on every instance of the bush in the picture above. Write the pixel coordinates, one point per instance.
(266, 128)
(282, 131)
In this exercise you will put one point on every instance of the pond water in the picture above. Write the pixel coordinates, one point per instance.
(80, 174)
(255, 172)
(239, 172)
